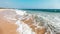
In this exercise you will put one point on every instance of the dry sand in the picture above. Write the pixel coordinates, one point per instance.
(7, 27)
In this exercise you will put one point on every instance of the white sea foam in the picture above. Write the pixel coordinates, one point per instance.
(49, 18)
(23, 28)
(52, 19)
(20, 12)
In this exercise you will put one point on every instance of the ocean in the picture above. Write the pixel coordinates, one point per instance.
(27, 19)
(52, 16)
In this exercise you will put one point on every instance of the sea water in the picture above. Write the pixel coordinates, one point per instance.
(52, 18)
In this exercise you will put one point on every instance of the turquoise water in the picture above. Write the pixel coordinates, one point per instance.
(42, 10)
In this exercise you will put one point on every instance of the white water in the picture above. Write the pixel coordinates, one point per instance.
(50, 19)
(20, 12)
(23, 28)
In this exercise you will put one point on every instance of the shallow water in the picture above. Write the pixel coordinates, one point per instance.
(52, 18)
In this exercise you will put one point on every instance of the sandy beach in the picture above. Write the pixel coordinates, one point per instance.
(8, 26)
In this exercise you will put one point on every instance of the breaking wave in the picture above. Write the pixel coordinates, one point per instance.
(51, 20)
